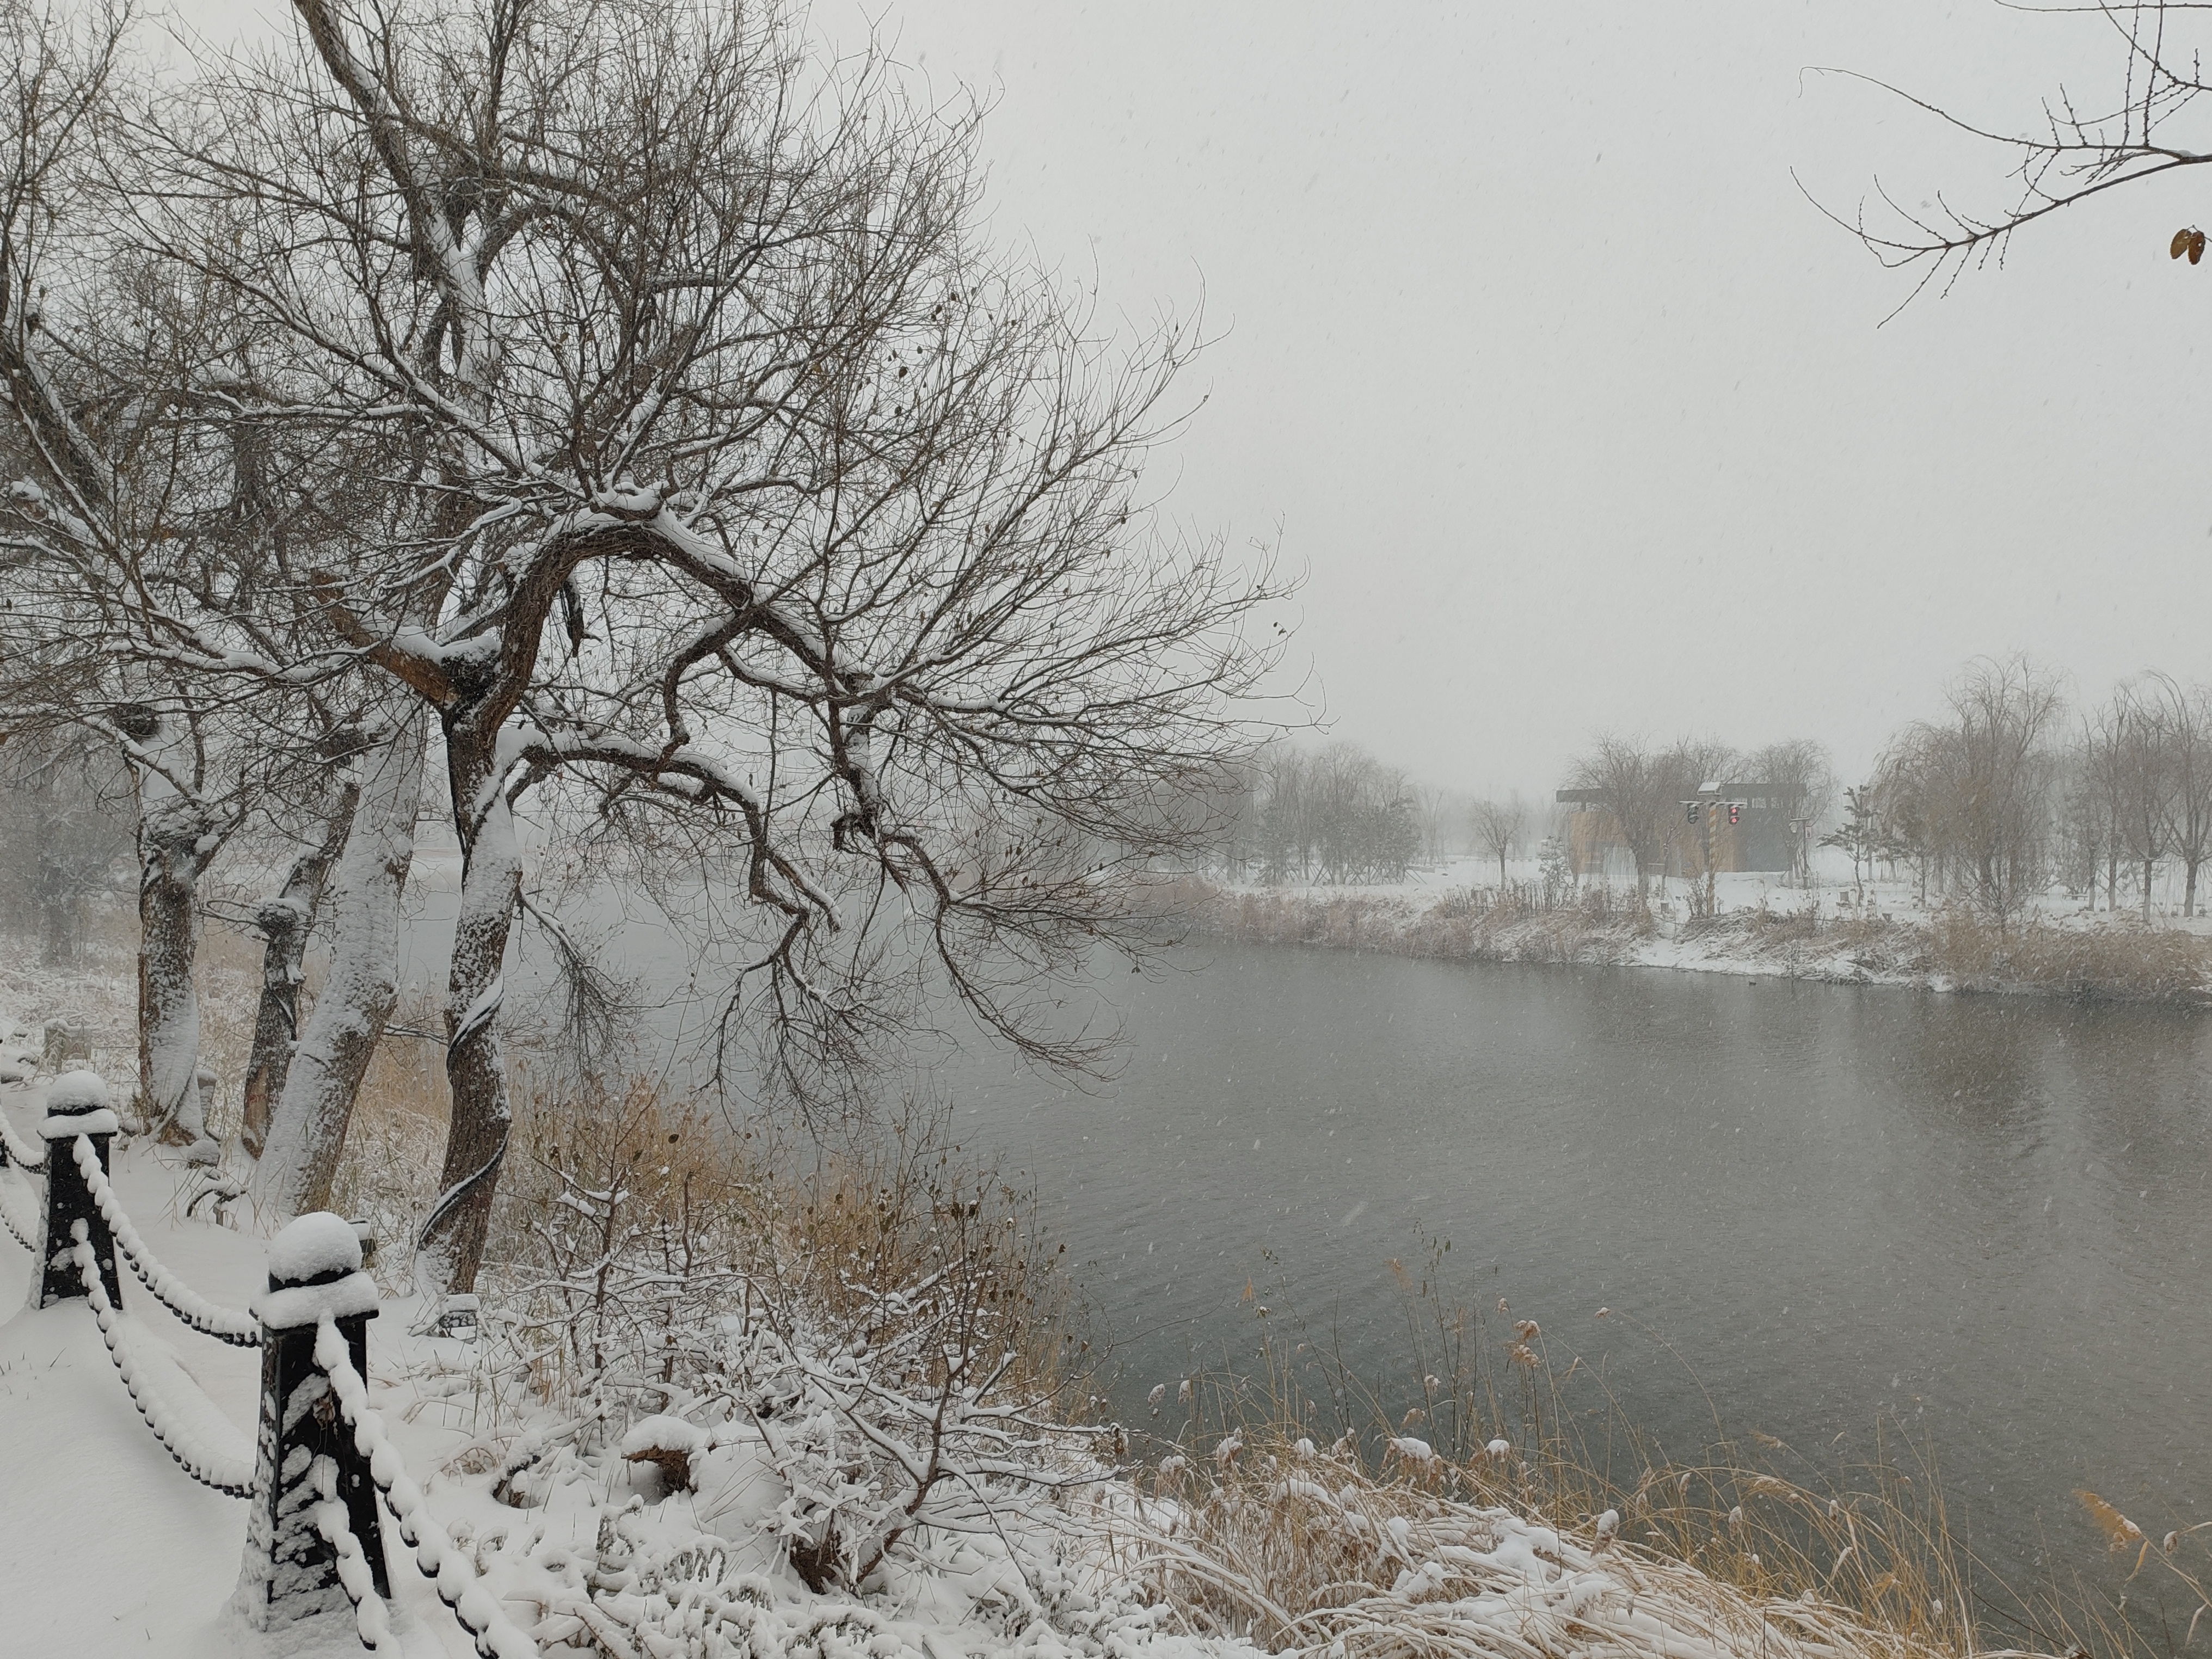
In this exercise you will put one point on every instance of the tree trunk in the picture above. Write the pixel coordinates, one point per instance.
(56, 905)
(451, 1246)
(2189, 887)
(2147, 864)
(285, 922)
(308, 1129)
(176, 839)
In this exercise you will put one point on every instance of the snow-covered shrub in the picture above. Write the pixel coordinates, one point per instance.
(877, 1335)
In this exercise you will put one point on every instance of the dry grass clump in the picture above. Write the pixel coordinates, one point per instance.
(1303, 1549)
(2126, 960)
(1519, 922)
(1484, 1498)
(629, 1216)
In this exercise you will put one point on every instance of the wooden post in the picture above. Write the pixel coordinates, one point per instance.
(289, 1572)
(77, 1104)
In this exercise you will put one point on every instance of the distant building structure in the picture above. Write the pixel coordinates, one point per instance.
(1730, 827)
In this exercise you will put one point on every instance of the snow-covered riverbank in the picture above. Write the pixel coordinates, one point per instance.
(1756, 927)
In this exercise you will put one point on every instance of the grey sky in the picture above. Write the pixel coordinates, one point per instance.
(1576, 412)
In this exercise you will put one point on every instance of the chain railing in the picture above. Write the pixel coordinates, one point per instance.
(238, 1329)
(441, 1561)
(138, 1361)
(313, 1476)
(17, 1151)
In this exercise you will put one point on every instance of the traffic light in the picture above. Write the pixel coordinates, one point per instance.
(1736, 812)
(1692, 806)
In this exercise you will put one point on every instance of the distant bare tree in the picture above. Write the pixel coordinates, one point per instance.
(2144, 755)
(1434, 806)
(1800, 788)
(1639, 790)
(2184, 720)
(63, 831)
(1500, 829)
(1979, 787)
(2104, 772)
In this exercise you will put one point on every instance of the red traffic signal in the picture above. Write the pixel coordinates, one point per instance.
(1736, 812)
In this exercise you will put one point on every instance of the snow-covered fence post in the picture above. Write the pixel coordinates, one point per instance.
(290, 1571)
(77, 1104)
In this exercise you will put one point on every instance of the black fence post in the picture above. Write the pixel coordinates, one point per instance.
(290, 1573)
(77, 1104)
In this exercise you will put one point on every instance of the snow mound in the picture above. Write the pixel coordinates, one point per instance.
(75, 1092)
(311, 1246)
(666, 1434)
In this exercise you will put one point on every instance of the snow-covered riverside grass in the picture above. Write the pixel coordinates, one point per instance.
(1881, 933)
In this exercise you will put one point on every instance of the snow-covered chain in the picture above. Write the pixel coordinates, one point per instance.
(370, 1616)
(15, 1228)
(138, 1359)
(20, 1154)
(449, 1568)
(238, 1329)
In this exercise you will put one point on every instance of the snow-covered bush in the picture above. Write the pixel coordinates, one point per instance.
(876, 1340)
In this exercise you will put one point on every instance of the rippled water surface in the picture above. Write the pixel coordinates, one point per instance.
(1988, 1217)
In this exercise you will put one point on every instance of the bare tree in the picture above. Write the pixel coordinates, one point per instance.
(1640, 791)
(2144, 761)
(1500, 829)
(634, 401)
(1979, 787)
(2185, 719)
(1800, 788)
(62, 833)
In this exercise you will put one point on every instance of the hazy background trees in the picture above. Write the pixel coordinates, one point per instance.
(1338, 815)
(65, 832)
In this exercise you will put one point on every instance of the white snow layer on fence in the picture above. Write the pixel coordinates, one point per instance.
(313, 1246)
(451, 1568)
(77, 1092)
(239, 1330)
(206, 1444)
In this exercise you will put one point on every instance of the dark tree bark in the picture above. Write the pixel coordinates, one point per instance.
(285, 921)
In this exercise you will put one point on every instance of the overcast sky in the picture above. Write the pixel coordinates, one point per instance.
(1574, 411)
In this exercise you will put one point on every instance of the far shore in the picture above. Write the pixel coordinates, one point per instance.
(1785, 934)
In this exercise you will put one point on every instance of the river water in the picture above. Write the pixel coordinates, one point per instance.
(1810, 1208)
(1986, 1220)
